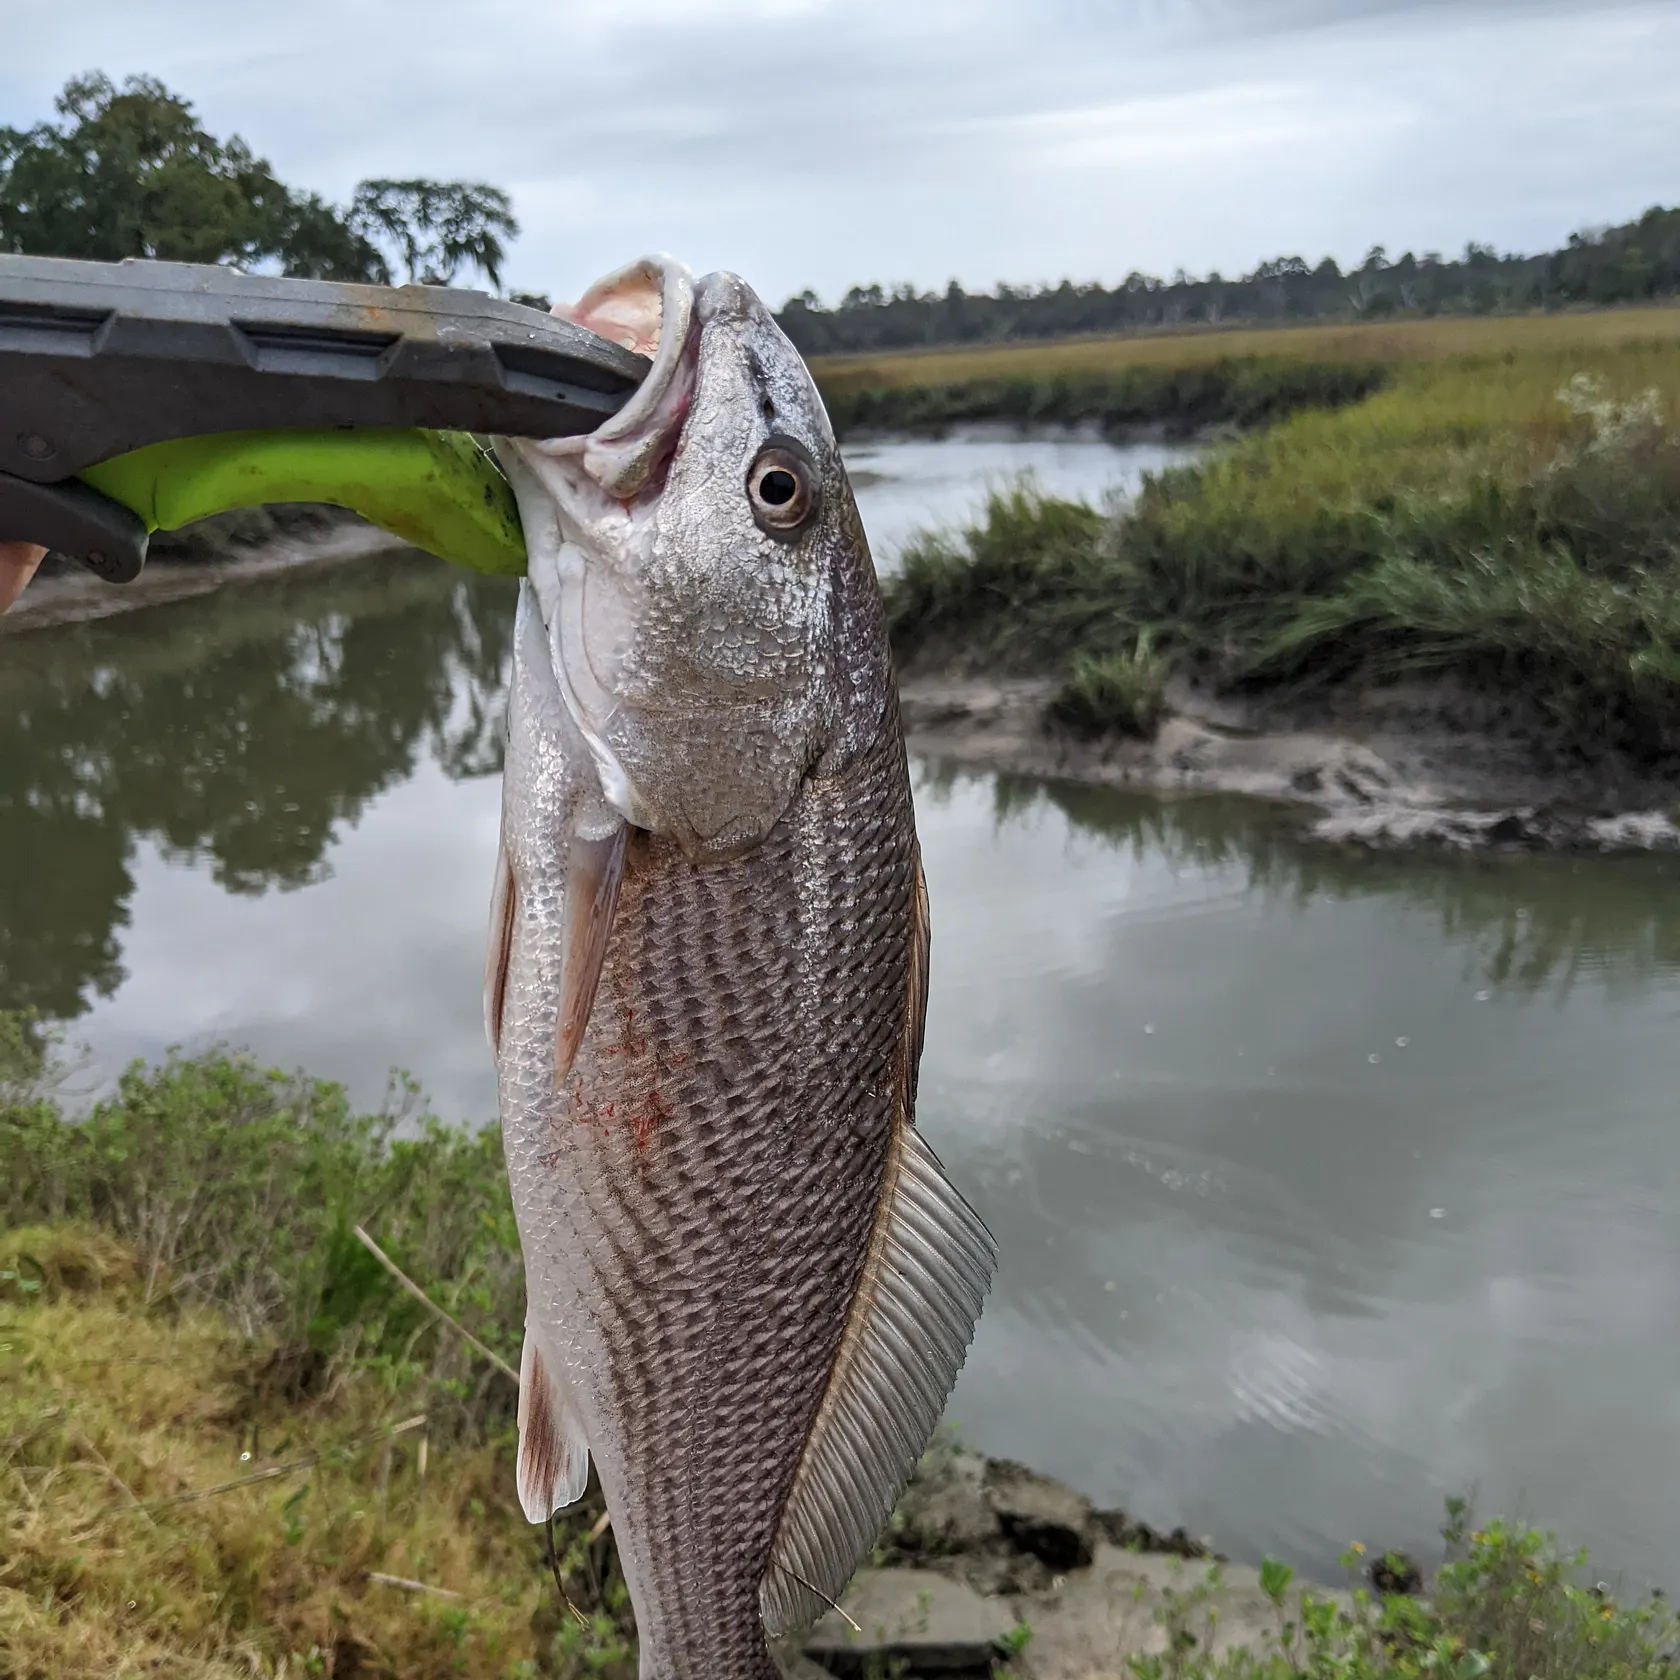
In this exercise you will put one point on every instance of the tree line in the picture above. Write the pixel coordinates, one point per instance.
(1626, 264)
(130, 171)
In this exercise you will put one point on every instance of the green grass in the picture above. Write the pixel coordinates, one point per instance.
(1385, 344)
(1239, 391)
(1115, 693)
(1506, 1604)
(1511, 515)
(1189, 380)
(182, 1304)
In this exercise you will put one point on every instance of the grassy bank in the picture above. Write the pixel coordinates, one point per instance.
(1506, 507)
(1384, 344)
(1238, 391)
(227, 1436)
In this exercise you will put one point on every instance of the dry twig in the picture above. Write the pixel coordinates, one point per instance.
(431, 1306)
(408, 1585)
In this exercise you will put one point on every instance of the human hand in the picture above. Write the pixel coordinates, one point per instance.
(17, 566)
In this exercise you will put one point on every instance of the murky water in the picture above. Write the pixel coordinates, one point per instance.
(1326, 1185)
(905, 485)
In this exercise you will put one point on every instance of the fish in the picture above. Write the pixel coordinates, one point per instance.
(750, 1283)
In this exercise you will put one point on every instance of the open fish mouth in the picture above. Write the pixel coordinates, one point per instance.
(648, 307)
(597, 494)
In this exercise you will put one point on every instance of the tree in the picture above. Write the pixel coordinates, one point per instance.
(437, 227)
(314, 240)
(130, 173)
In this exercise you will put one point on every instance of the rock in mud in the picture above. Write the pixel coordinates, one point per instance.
(945, 1510)
(1130, 1604)
(928, 1622)
(1041, 1516)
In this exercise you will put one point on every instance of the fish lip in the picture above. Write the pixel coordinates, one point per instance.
(627, 454)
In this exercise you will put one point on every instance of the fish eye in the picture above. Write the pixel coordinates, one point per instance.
(782, 486)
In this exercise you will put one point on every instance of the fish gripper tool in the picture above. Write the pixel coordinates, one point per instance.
(137, 396)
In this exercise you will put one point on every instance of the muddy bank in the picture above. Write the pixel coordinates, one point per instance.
(986, 1561)
(1422, 765)
(69, 594)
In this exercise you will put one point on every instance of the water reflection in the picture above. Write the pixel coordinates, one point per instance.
(1326, 1184)
(908, 485)
(1526, 923)
(246, 731)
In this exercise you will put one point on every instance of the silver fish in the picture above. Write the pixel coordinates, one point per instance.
(750, 1284)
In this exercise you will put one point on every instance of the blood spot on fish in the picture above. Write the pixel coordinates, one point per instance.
(657, 1111)
(633, 1069)
(628, 1043)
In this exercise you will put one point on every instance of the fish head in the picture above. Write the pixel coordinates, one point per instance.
(696, 561)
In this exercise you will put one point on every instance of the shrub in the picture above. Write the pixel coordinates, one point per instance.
(1118, 693)
(239, 1187)
(1515, 523)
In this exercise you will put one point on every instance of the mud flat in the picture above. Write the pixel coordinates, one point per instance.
(71, 595)
(1431, 765)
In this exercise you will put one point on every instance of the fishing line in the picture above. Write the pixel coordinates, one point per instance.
(816, 1592)
(554, 1569)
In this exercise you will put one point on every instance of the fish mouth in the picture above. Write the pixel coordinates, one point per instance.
(585, 501)
(590, 507)
(648, 306)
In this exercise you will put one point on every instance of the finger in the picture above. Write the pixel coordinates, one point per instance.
(17, 566)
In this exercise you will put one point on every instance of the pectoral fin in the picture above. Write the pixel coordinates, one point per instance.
(594, 870)
(498, 951)
(553, 1452)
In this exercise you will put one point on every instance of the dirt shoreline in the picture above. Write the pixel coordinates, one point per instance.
(1426, 766)
(77, 597)
(1429, 766)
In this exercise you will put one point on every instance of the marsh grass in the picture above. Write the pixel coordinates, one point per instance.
(1237, 391)
(1119, 693)
(1513, 517)
(1385, 344)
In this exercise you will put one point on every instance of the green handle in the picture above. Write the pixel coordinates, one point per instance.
(440, 491)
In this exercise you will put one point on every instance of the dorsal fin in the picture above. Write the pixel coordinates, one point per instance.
(929, 1267)
(553, 1465)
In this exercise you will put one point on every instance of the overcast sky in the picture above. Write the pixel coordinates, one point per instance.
(825, 142)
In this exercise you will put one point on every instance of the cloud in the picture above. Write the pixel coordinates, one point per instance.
(809, 142)
(1198, 125)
